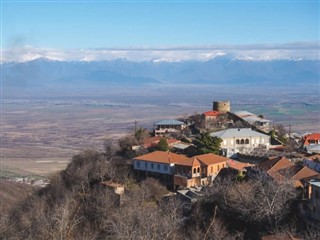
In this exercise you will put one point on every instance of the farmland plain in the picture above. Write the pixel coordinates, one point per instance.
(41, 132)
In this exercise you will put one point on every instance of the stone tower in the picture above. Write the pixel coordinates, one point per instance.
(221, 106)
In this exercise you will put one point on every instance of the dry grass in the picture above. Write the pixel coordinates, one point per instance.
(11, 193)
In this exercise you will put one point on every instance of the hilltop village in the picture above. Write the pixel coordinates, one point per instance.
(216, 175)
(188, 155)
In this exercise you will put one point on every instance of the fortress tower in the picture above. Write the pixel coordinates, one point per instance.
(221, 106)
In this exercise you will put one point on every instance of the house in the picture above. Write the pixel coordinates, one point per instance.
(210, 116)
(281, 168)
(179, 170)
(312, 162)
(313, 148)
(310, 207)
(184, 148)
(199, 170)
(315, 200)
(159, 162)
(241, 167)
(168, 126)
(254, 120)
(241, 140)
(311, 139)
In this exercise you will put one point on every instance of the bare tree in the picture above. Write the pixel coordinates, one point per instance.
(258, 199)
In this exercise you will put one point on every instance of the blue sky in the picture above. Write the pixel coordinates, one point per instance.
(122, 24)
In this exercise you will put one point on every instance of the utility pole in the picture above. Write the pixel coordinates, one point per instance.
(289, 129)
(135, 126)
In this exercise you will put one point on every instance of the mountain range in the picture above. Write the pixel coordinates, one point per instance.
(221, 70)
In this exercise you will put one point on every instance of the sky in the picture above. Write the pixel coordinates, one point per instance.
(59, 29)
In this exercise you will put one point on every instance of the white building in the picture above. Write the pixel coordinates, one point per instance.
(168, 126)
(241, 140)
(254, 120)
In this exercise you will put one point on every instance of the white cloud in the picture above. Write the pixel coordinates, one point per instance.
(262, 52)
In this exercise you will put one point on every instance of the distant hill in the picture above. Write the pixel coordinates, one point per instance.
(221, 70)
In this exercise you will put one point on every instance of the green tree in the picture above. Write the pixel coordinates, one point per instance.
(208, 144)
(163, 145)
(141, 134)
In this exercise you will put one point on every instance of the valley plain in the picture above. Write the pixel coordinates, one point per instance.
(43, 130)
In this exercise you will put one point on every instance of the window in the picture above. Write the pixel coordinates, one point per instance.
(158, 166)
(247, 141)
(242, 141)
(237, 141)
(198, 170)
(194, 171)
(152, 165)
(211, 169)
(165, 167)
(222, 165)
(138, 164)
(218, 167)
(146, 165)
(224, 142)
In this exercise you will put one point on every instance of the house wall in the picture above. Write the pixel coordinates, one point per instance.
(184, 182)
(214, 169)
(234, 145)
(312, 164)
(187, 171)
(248, 142)
(315, 202)
(142, 165)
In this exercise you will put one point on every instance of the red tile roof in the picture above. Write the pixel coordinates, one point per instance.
(211, 113)
(162, 157)
(178, 159)
(313, 136)
(314, 157)
(210, 158)
(190, 162)
(238, 165)
(281, 169)
(272, 164)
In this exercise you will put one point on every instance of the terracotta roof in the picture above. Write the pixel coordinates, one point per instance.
(238, 165)
(211, 113)
(268, 164)
(162, 157)
(284, 169)
(210, 158)
(313, 157)
(191, 162)
(313, 136)
(281, 164)
(304, 172)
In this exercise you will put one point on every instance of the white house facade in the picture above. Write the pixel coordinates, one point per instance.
(241, 140)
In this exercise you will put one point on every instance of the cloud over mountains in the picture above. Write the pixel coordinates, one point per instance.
(256, 52)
